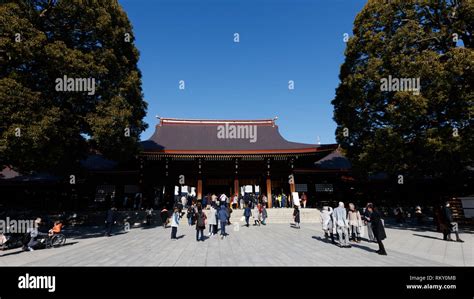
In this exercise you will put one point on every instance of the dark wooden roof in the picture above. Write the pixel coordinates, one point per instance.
(198, 136)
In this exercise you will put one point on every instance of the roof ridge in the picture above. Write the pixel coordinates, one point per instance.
(169, 120)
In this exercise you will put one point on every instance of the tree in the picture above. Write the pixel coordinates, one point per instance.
(400, 132)
(41, 41)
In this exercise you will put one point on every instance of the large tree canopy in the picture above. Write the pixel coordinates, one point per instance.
(42, 40)
(400, 132)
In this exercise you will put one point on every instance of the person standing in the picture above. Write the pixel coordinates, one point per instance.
(342, 225)
(235, 201)
(304, 199)
(449, 225)
(264, 215)
(200, 224)
(223, 199)
(212, 221)
(355, 222)
(283, 200)
(110, 220)
(255, 214)
(164, 217)
(296, 216)
(223, 214)
(247, 214)
(326, 220)
(377, 227)
(279, 201)
(174, 223)
(366, 218)
(264, 201)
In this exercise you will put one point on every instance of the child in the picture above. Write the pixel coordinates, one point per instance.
(256, 220)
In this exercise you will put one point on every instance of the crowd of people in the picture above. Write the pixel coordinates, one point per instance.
(341, 225)
(346, 225)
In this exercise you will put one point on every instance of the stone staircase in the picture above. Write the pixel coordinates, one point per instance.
(281, 215)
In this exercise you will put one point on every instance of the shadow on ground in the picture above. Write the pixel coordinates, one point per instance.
(355, 245)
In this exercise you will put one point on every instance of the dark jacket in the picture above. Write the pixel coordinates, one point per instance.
(111, 216)
(247, 212)
(200, 219)
(296, 214)
(377, 226)
(447, 215)
(223, 214)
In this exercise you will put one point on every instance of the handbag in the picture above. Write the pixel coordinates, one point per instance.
(242, 219)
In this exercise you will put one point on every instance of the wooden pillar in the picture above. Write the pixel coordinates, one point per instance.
(269, 192)
(292, 184)
(199, 189)
(236, 186)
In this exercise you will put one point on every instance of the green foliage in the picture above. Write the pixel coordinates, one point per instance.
(398, 132)
(79, 39)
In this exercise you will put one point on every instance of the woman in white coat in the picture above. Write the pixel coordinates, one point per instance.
(212, 220)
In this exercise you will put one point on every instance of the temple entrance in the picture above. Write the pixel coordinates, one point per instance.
(217, 186)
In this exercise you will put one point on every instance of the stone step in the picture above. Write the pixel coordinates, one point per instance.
(281, 215)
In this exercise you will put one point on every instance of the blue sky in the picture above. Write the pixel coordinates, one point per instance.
(280, 40)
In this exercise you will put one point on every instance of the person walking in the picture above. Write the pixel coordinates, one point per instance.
(279, 201)
(212, 221)
(342, 225)
(327, 222)
(366, 218)
(247, 214)
(355, 222)
(223, 214)
(174, 223)
(110, 220)
(449, 226)
(296, 216)
(200, 224)
(377, 227)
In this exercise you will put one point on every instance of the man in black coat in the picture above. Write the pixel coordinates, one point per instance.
(110, 220)
(377, 228)
(447, 221)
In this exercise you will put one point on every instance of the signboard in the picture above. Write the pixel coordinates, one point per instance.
(296, 198)
(248, 189)
(468, 206)
(184, 189)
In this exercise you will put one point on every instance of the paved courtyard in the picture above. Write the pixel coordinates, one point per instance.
(271, 245)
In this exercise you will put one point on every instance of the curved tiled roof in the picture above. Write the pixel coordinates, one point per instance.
(201, 136)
